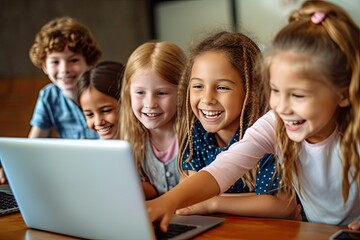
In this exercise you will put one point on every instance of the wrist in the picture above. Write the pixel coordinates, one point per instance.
(213, 204)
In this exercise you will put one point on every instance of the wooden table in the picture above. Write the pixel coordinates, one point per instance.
(12, 227)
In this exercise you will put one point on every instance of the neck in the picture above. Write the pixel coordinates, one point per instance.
(162, 139)
(71, 94)
(223, 137)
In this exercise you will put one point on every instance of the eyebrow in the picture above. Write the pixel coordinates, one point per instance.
(219, 80)
(294, 89)
(67, 57)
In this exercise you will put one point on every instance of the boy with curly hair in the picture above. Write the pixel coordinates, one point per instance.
(63, 49)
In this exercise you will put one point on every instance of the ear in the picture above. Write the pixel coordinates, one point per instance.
(44, 69)
(344, 99)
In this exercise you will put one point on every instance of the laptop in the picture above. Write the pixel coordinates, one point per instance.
(84, 188)
(7, 201)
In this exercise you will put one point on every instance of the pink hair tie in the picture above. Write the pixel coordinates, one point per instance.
(318, 17)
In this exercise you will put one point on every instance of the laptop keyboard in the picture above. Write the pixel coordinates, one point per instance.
(173, 230)
(7, 203)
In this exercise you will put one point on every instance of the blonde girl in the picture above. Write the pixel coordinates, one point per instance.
(148, 113)
(313, 71)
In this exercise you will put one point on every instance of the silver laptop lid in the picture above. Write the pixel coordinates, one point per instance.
(83, 188)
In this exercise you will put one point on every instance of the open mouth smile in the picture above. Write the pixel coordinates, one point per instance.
(211, 114)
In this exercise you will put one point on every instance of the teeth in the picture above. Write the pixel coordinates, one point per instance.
(66, 79)
(293, 123)
(152, 114)
(211, 114)
(102, 130)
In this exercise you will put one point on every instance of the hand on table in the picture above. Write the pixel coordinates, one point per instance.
(202, 208)
(2, 176)
(355, 225)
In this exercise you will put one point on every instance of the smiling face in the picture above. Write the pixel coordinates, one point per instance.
(307, 106)
(216, 94)
(64, 68)
(153, 101)
(101, 112)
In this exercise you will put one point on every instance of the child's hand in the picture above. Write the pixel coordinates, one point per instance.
(355, 225)
(161, 209)
(2, 176)
(205, 207)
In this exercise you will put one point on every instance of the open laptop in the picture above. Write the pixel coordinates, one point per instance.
(83, 188)
(7, 201)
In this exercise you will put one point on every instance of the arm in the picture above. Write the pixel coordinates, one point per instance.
(149, 190)
(242, 156)
(36, 132)
(247, 204)
(271, 206)
(219, 175)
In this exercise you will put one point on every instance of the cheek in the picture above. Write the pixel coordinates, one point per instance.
(171, 103)
(114, 118)
(134, 102)
(90, 123)
(193, 102)
(272, 101)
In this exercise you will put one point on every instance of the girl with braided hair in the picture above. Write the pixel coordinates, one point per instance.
(220, 96)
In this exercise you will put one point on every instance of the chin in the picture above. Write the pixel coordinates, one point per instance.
(296, 138)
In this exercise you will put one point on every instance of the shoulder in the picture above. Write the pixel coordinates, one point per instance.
(51, 91)
(264, 126)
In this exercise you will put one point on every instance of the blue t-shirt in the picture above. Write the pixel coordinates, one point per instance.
(205, 150)
(54, 109)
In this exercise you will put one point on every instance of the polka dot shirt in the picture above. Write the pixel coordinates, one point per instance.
(206, 149)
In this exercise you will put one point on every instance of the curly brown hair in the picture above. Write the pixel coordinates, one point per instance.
(60, 33)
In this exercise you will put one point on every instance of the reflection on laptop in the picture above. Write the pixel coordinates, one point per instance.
(7, 201)
(84, 188)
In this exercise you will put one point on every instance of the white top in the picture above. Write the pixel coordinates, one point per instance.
(320, 178)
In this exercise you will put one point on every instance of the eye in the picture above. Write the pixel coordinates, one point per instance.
(74, 60)
(274, 91)
(139, 92)
(298, 96)
(161, 93)
(54, 62)
(107, 110)
(223, 88)
(88, 114)
(197, 86)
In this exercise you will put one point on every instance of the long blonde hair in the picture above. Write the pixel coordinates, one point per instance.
(168, 61)
(333, 55)
(242, 53)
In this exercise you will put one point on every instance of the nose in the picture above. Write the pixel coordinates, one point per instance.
(150, 101)
(208, 96)
(64, 67)
(283, 105)
(99, 120)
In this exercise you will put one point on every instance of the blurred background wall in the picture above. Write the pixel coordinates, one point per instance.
(120, 26)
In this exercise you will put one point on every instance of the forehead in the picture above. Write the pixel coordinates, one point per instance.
(215, 60)
(294, 63)
(92, 96)
(214, 65)
(148, 78)
(65, 53)
(292, 70)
